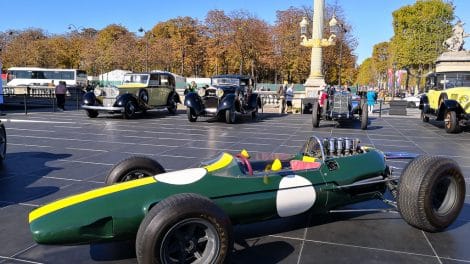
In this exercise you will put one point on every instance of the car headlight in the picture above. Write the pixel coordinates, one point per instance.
(113, 91)
(219, 92)
(98, 91)
(201, 92)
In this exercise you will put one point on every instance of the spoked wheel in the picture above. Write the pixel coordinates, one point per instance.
(184, 228)
(451, 122)
(133, 168)
(3, 142)
(129, 110)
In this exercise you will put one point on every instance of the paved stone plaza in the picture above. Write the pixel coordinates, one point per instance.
(53, 155)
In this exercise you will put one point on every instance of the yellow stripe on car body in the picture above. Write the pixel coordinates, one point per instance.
(132, 85)
(223, 162)
(75, 199)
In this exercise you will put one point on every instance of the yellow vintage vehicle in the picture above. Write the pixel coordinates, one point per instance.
(448, 99)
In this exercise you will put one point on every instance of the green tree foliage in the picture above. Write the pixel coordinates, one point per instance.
(419, 31)
(364, 76)
(237, 42)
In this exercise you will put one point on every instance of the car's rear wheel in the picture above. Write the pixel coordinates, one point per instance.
(230, 117)
(364, 115)
(192, 117)
(3, 142)
(184, 228)
(451, 122)
(315, 115)
(133, 168)
(431, 193)
(172, 106)
(129, 110)
(91, 113)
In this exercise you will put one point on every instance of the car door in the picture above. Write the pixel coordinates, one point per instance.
(165, 89)
(152, 89)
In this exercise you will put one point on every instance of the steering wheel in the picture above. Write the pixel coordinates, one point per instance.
(247, 164)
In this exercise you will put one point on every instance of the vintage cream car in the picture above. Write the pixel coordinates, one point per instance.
(138, 93)
(448, 99)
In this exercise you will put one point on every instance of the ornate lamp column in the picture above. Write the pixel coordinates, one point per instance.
(315, 79)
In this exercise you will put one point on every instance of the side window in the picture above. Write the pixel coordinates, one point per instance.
(164, 80)
(154, 80)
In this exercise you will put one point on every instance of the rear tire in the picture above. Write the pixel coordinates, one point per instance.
(431, 193)
(133, 168)
(451, 122)
(186, 227)
(91, 113)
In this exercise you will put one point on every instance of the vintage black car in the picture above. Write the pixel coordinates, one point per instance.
(138, 93)
(227, 96)
(342, 107)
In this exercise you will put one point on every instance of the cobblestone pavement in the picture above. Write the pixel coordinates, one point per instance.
(55, 154)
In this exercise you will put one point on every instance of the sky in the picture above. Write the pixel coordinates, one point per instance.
(371, 20)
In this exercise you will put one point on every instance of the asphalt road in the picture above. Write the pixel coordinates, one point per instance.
(55, 154)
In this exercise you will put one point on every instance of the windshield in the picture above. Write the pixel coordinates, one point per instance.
(222, 81)
(136, 78)
(447, 80)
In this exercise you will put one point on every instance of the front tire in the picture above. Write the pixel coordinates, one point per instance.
(133, 168)
(185, 228)
(431, 193)
(129, 110)
(91, 113)
(192, 117)
(3, 142)
(364, 116)
(230, 117)
(315, 115)
(451, 122)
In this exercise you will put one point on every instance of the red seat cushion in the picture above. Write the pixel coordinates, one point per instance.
(302, 165)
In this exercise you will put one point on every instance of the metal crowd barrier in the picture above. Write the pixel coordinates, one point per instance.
(38, 96)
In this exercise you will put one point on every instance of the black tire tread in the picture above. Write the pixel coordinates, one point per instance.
(415, 183)
(125, 165)
(170, 210)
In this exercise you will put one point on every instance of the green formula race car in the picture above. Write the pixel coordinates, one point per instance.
(186, 216)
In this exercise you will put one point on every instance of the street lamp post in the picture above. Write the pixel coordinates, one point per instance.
(339, 29)
(316, 79)
(141, 30)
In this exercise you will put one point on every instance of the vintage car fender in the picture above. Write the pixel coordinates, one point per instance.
(229, 101)
(424, 104)
(89, 98)
(193, 100)
(122, 100)
(449, 105)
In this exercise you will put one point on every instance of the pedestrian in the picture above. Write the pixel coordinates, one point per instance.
(371, 98)
(289, 97)
(60, 91)
(281, 93)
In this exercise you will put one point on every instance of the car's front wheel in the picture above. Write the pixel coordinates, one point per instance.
(451, 122)
(431, 192)
(192, 117)
(184, 228)
(133, 168)
(230, 117)
(3, 142)
(129, 110)
(91, 113)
